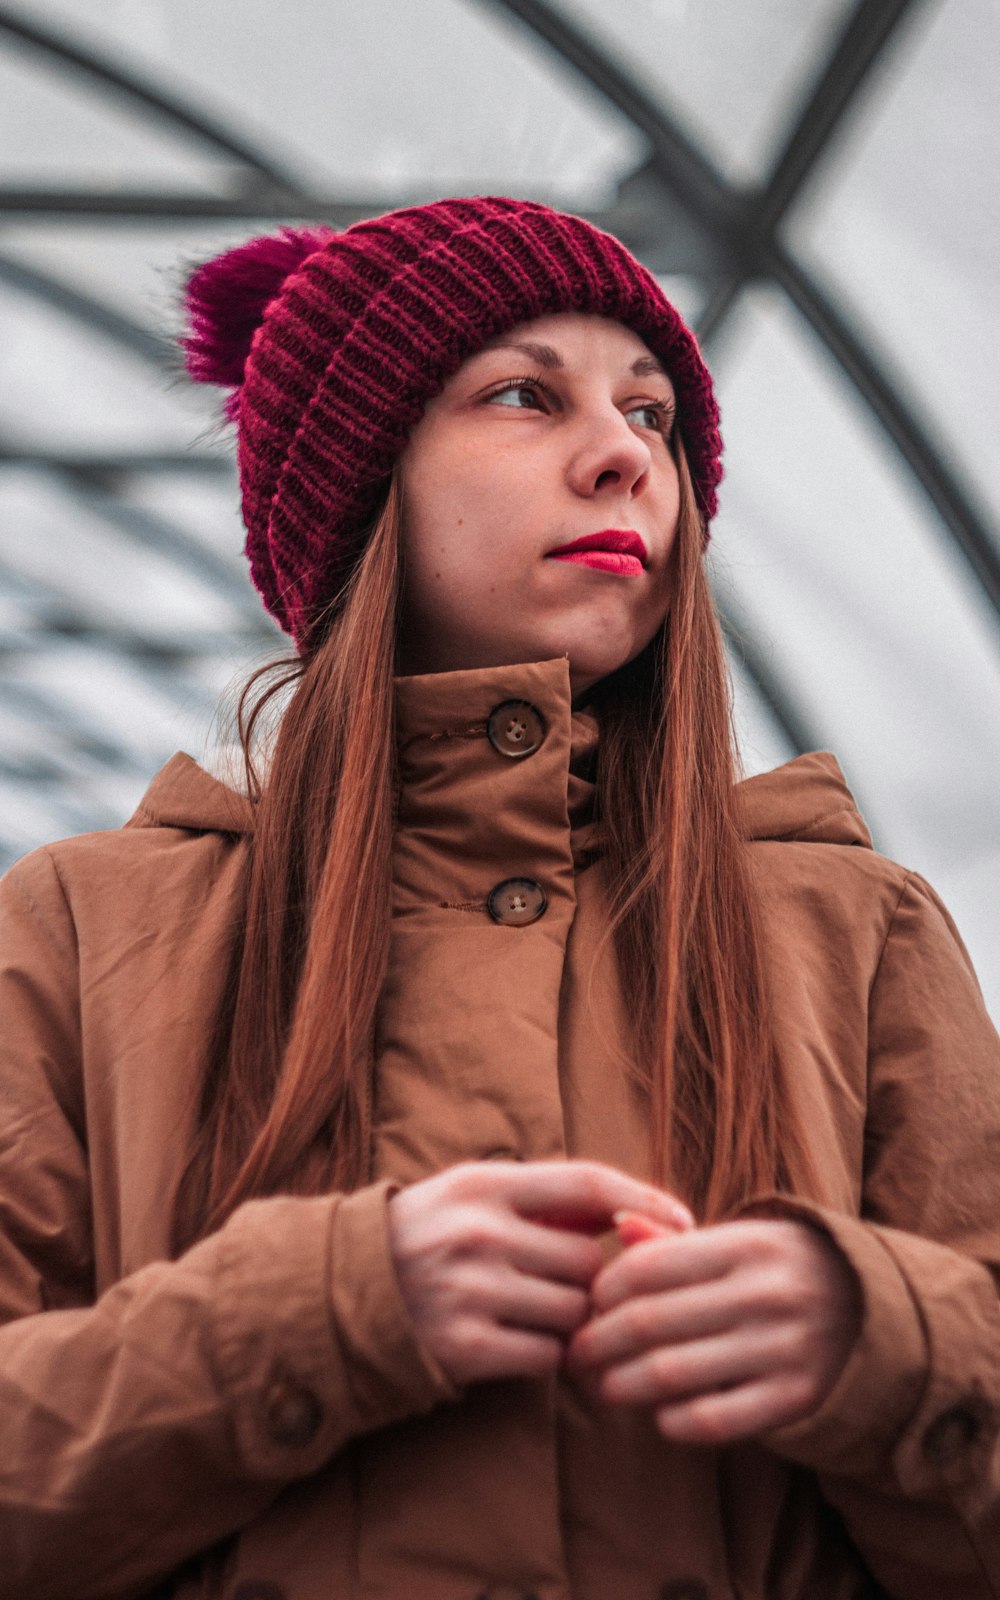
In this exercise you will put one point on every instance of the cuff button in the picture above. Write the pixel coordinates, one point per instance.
(950, 1435)
(293, 1413)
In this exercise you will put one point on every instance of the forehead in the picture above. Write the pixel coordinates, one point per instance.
(579, 340)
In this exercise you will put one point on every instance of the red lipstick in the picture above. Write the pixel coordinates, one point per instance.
(617, 550)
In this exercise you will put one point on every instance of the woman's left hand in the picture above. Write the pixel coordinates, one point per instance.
(726, 1330)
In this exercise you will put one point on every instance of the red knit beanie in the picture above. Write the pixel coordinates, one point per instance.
(334, 342)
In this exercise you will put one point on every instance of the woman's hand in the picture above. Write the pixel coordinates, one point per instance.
(494, 1261)
(725, 1331)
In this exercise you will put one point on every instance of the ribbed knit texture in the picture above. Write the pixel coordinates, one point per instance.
(369, 326)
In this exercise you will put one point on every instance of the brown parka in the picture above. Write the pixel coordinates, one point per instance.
(258, 1420)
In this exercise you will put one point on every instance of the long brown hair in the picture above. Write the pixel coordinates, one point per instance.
(286, 1093)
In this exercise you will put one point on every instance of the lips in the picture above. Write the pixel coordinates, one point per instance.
(616, 550)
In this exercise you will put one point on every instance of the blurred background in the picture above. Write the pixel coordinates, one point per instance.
(813, 180)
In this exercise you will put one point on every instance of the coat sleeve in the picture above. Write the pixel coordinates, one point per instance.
(907, 1445)
(141, 1427)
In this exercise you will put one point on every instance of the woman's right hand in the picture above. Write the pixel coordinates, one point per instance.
(494, 1260)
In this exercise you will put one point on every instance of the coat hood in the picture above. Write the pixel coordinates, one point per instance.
(806, 799)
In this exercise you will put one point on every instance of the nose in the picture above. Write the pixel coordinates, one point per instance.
(610, 456)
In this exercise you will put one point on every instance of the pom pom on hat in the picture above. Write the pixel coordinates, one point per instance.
(334, 343)
(226, 299)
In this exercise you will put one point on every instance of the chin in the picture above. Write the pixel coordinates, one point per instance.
(588, 667)
(598, 653)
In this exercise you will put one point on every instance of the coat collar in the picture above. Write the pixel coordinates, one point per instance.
(806, 799)
(184, 795)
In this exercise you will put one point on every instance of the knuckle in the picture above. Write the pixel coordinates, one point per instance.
(585, 1259)
(464, 1181)
(576, 1306)
(639, 1318)
(777, 1291)
(472, 1289)
(667, 1371)
(707, 1423)
(804, 1392)
(592, 1182)
(480, 1232)
(475, 1340)
(798, 1346)
(765, 1241)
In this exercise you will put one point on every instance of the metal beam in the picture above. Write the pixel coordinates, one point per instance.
(81, 733)
(117, 464)
(149, 532)
(97, 315)
(965, 522)
(688, 176)
(139, 206)
(80, 60)
(862, 44)
(58, 619)
(160, 659)
(788, 715)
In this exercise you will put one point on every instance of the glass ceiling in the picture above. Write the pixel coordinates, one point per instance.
(812, 179)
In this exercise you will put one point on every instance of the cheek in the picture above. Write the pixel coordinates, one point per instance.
(456, 510)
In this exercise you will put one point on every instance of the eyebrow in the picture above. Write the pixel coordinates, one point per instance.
(546, 356)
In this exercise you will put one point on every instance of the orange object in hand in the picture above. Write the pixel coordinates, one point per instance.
(633, 1228)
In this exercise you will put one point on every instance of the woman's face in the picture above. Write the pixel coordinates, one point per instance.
(555, 431)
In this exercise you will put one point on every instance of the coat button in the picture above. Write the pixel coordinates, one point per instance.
(684, 1589)
(515, 728)
(950, 1435)
(516, 902)
(293, 1413)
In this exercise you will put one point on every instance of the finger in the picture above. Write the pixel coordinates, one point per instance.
(549, 1307)
(674, 1261)
(517, 1353)
(543, 1252)
(677, 1371)
(645, 1321)
(737, 1414)
(586, 1192)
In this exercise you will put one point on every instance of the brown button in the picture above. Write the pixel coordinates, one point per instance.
(258, 1589)
(684, 1589)
(516, 902)
(515, 728)
(293, 1413)
(950, 1435)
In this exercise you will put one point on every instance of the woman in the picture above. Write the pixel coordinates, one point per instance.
(303, 1297)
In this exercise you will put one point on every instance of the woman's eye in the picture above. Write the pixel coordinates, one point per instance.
(656, 417)
(514, 393)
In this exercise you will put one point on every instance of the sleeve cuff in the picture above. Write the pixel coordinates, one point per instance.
(314, 1344)
(856, 1427)
(391, 1373)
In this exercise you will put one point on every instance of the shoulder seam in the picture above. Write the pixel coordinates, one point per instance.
(890, 922)
(49, 854)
